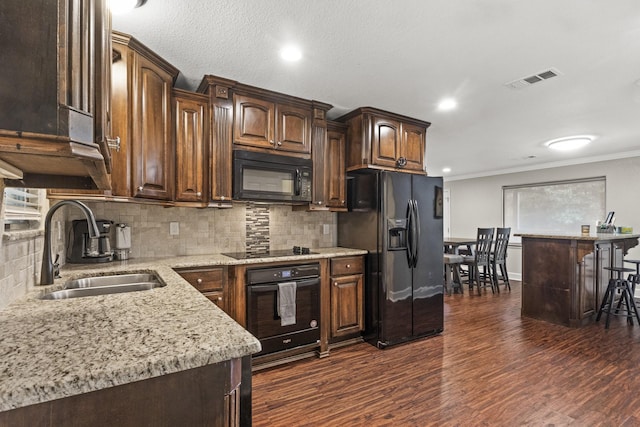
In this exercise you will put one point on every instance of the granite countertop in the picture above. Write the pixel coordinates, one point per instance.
(591, 237)
(52, 349)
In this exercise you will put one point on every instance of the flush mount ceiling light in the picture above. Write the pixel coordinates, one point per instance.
(569, 143)
(118, 7)
(290, 53)
(447, 104)
(446, 170)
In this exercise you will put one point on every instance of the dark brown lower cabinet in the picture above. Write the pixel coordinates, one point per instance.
(347, 311)
(209, 395)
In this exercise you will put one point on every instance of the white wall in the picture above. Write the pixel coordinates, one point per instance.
(477, 202)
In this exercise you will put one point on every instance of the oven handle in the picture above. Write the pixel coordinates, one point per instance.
(271, 287)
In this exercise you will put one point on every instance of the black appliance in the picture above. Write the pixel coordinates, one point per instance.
(271, 177)
(82, 249)
(397, 218)
(263, 320)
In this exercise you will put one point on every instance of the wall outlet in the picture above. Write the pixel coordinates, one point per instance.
(174, 228)
(325, 229)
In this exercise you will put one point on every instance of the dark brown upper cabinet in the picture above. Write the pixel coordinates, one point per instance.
(261, 123)
(335, 179)
(383, 140)
(55, 120)
(143, 166)
(191, 113)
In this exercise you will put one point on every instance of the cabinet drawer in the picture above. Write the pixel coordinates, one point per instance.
(209, 280)
(346, 265)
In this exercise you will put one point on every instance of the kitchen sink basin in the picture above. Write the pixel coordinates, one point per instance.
(105, 285)
(114, 280)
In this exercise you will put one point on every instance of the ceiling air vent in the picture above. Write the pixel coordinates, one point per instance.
(530, 80)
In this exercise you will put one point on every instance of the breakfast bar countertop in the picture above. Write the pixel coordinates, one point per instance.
(589, 237)
(53, 349)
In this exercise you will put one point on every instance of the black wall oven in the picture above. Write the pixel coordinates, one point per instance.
(271, 177)
(263, 320)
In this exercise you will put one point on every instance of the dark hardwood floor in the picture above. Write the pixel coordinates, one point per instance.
(490, 367)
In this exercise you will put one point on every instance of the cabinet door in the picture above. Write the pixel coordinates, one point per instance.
(385, 145)
(346, 305)
(190, 115)
(335, 176)
(412, 147)
(152, 142)
(217, 298)
(293, 126)
(254, 122)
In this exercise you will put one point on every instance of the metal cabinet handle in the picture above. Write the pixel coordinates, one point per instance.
(335, 283)
(219, 298)
(199, 281)
(401, 162)
(114, 143)
(198, 194)
(348, 265)
(140, 188)
(279, 142)
(271, 141)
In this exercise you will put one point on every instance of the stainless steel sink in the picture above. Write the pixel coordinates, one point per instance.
(114, 280)
(105, 285)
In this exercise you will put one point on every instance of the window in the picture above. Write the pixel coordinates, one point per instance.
(23, 208)
(559, 207)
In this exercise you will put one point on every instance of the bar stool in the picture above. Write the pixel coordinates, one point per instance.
(618, 284)
(452, 272)
(637, 276)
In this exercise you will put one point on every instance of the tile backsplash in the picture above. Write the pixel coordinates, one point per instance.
(203, 231)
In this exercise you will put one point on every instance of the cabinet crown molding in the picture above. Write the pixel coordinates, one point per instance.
(119, 38)
(388, 114)
(244, 89)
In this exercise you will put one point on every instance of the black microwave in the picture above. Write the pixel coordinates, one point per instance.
(271, 177)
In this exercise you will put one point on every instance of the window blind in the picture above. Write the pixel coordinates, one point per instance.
(559, 207)
(23, 208)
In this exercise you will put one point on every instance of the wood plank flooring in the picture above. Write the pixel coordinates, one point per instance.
(490, 367)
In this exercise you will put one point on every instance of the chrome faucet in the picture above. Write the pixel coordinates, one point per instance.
(49, 268)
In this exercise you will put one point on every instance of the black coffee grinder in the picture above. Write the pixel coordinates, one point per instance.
(82, 249)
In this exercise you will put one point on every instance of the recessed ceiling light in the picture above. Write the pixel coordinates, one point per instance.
(118, 7)
(291, 53)
(446, 170)
(447, 104)
(569, 143)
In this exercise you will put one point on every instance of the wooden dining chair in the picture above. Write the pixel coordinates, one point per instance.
(481, 258)
(499, 258)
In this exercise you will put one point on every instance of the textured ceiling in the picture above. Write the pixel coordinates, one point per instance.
(406, 55)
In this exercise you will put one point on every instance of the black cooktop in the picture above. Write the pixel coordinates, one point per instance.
(270, 254)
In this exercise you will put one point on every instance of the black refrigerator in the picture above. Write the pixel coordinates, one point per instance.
(397, 218)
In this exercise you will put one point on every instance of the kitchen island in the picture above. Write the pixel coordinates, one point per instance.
(563, 276)
(141, 346)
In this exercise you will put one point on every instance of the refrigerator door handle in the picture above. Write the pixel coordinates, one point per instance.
(416, 227)
(410, 233)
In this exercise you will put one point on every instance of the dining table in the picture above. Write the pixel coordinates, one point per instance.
(453, 281)
(452, 244)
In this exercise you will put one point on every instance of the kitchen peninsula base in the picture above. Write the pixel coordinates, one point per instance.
(563, 277)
